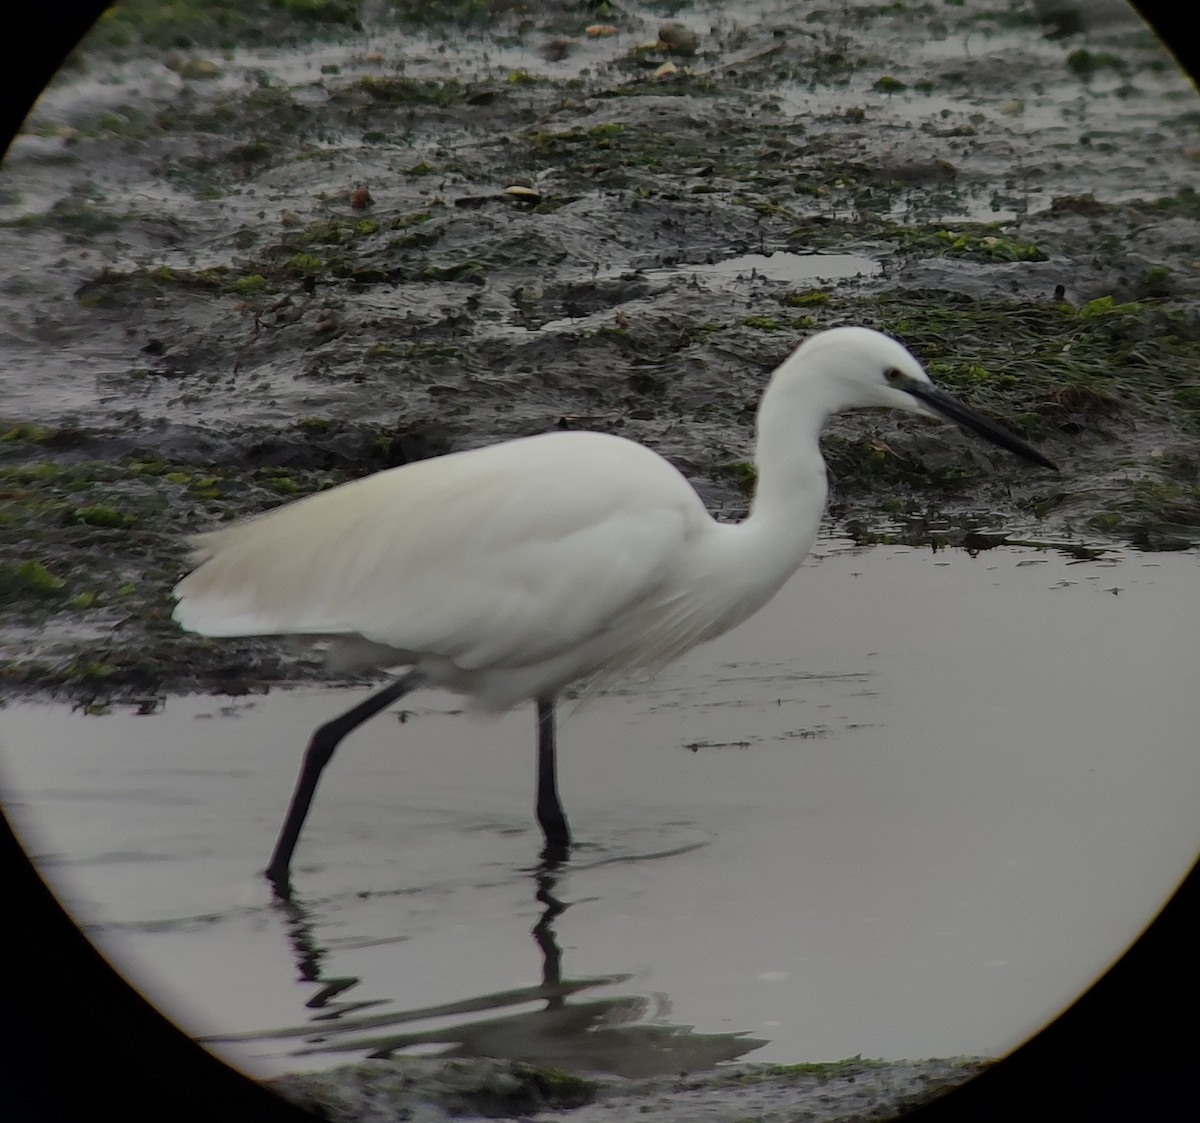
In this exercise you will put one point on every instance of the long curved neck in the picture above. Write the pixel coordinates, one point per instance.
(746, 563)
(789, 498)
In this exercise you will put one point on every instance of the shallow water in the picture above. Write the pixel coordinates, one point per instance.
(912, 809)
(781, 266)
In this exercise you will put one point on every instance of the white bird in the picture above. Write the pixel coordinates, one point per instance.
(508, 572)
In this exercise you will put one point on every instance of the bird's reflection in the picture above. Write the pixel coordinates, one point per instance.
(595, 1035)
(309, 955)
(546, 878)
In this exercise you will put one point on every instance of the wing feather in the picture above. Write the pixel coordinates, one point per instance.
(505, 555)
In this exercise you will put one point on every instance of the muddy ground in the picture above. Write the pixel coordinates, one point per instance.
(250, 256)
(429, 1091)
(253, 250)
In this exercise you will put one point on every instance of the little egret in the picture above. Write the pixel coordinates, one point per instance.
(508, 572)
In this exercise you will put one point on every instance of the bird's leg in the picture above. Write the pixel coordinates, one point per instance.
(316, 756)
(550, 814)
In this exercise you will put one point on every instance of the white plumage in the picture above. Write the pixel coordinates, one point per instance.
(508, 572)
(504, 572)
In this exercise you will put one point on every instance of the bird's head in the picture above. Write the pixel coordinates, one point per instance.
(860, 368)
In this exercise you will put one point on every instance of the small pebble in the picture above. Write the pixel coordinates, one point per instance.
(521, 194)
(678, 39)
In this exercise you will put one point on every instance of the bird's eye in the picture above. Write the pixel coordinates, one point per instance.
(892, 374)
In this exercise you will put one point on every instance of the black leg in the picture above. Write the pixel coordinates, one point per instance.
(550, 814)
(316, 756)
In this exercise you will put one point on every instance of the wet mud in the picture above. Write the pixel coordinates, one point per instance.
(253, 256)
(820, 1093)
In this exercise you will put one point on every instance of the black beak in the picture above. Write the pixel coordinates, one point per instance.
(966, 418)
